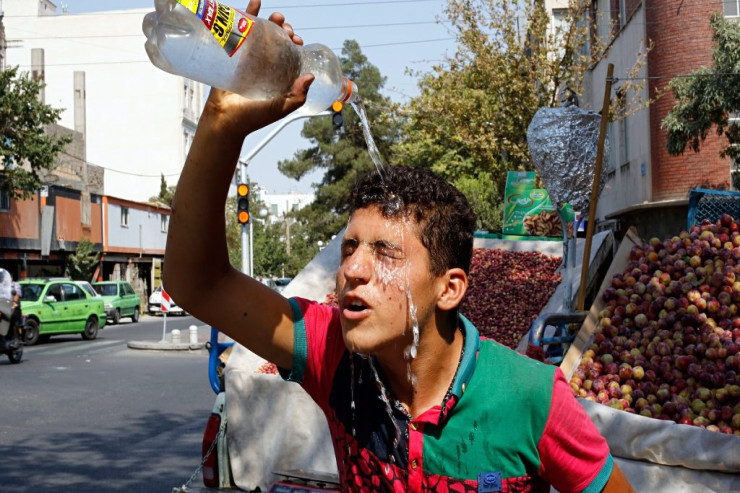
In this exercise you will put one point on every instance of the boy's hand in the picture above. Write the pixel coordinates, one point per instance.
(239, 115)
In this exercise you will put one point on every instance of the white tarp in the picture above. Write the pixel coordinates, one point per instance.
(663, 456)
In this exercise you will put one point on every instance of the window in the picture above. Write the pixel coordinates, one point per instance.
(274, 209)
(611, 159)
(4, 201)
(622, 115)
(124, 217)
(55, 291)
(732, 8)
(622, 13)
(602, 19)
(72, 292)
(163, 222)
(187, 138)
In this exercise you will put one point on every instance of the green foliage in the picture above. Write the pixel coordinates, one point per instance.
(82, 263)
(343, 156)
(25, 147)
(469, 122)
(166, 194)
(706, 100)
(270, 255)
(268, 249)
(484, 198)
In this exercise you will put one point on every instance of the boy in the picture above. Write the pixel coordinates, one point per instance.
(414, 400)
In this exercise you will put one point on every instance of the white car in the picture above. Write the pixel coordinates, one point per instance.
(155, 304)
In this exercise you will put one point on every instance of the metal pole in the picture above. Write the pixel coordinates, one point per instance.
(251, 248)
(243, 163)
(246, 243)
(164, 327)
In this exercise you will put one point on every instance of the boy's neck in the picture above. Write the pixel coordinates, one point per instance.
(434, 368)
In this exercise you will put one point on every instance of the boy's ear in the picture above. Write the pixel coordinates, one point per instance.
(455, 284)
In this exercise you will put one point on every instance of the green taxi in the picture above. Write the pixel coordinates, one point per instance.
(59, 306)
(120, 300)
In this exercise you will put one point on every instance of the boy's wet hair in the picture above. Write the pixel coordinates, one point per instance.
(445, 218)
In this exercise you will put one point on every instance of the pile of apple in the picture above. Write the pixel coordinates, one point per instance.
(507, 291)
(667, 345)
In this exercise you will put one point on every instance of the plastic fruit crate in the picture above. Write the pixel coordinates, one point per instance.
(710, 204)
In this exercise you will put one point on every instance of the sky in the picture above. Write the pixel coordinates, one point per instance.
(395, 35)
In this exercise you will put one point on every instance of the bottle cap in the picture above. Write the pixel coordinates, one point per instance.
(349, 91)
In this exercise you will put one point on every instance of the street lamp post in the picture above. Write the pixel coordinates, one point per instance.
(246, 233)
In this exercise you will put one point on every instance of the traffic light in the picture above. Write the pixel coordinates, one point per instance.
(242, 203)
(336, 115)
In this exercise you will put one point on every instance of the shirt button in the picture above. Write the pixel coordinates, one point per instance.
(414, 464)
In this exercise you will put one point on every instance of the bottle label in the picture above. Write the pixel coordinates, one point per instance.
(229, 26)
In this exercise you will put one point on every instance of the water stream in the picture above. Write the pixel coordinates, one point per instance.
(372, 148)
(389, 275)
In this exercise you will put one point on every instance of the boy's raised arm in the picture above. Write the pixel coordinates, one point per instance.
(197, 272)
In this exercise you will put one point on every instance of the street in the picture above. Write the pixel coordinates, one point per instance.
(96, 416)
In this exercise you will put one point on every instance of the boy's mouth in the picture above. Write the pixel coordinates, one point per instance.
(354, 307)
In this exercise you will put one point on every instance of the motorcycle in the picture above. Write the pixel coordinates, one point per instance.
(10, 342)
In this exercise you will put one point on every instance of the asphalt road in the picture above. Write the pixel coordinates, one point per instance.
(95, 416)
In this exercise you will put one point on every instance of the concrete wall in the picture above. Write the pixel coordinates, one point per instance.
(21, 221)
(144, 231)
(135, 113)
(68, 221)
(629, 180)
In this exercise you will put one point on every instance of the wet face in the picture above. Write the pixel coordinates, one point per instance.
(384, 283)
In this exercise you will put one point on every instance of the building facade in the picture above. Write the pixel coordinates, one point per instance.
(137, 121)
(642, 178)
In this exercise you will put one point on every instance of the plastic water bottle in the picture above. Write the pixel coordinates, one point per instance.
(210, 42)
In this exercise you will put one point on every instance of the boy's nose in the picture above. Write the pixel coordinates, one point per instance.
(358, 268)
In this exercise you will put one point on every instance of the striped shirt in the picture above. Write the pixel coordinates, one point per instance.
(508, 423)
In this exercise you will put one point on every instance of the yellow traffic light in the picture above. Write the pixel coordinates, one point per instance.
(242, 203)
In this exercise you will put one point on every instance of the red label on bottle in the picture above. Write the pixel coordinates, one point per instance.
(209, 15)
(229, 26)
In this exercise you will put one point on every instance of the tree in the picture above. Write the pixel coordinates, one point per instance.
(82, 263)
(25, 146)
(709, 97)
(343, 156)
(166, 194)
(268, 249)
(470, 120)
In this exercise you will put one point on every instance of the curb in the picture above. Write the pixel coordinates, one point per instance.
(165, 345)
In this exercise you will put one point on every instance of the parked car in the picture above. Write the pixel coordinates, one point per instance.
(120, 300)
(279, 283)
(59, 306)
(89, 289)
(155, 304)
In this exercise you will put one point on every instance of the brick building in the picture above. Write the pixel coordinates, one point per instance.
(644, 183)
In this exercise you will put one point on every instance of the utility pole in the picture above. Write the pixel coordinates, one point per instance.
(246, 233)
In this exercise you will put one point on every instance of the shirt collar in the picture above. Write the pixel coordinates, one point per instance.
(470, 354)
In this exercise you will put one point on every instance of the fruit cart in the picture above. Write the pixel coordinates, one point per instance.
(656, 454)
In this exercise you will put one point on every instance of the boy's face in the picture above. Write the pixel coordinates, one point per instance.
(384, 270)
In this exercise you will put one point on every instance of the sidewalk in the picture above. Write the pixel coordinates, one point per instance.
(183, 343)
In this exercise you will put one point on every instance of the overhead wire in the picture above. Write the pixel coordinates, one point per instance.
(129, 173)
